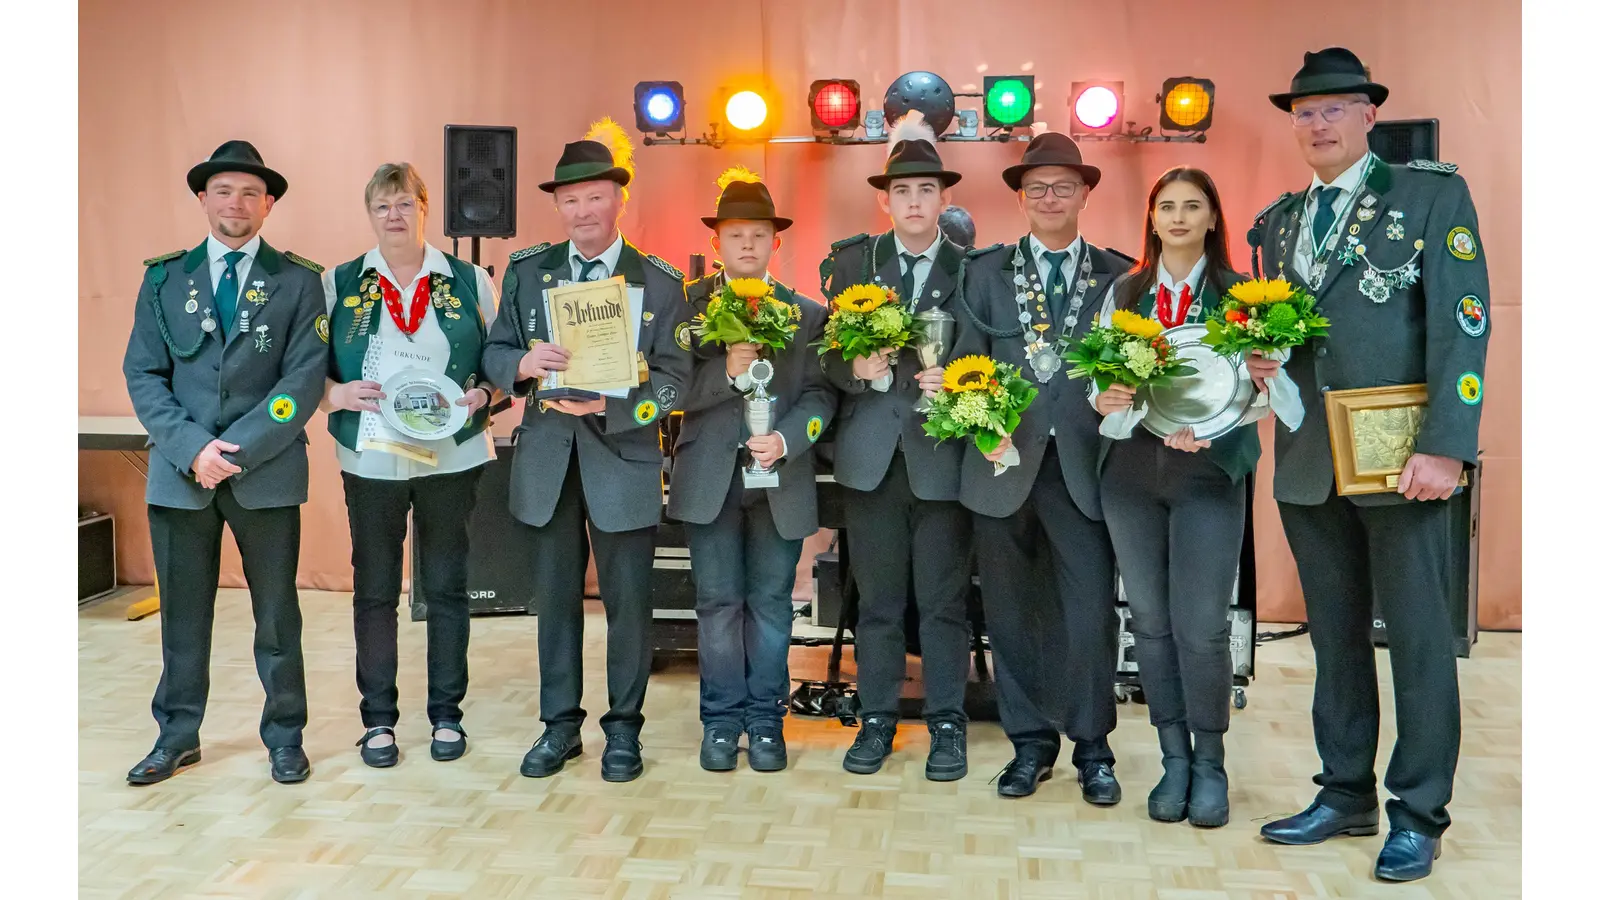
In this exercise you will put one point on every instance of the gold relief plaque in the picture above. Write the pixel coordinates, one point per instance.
(1372, 432)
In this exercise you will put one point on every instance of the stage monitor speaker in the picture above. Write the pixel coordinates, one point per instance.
(499, 548)
(97, 557)
(480, 181)
(1402, 140)
(1461, 579)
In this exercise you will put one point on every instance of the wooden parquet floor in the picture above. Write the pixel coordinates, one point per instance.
(476, 828)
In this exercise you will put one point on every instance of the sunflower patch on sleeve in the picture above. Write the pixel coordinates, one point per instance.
(1469, 387)
(645, 412)
(814, 428)
(281, 408)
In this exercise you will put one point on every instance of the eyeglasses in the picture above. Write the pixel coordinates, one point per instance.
(1062, 189)
(404, 207)
(1331, 113)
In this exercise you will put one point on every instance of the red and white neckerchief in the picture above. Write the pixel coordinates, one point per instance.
(1164, 310)
(408, 325)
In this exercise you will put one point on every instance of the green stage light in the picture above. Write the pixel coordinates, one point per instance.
(1007, 101)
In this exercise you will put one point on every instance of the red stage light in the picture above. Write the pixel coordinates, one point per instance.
(835, 105)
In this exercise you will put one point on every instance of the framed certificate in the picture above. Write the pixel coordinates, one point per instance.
(1373, 431)
(596, 321)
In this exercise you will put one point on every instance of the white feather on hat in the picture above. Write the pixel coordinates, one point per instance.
(911, 127)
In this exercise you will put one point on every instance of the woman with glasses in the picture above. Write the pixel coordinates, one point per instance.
(1175, 508)
(405, 293)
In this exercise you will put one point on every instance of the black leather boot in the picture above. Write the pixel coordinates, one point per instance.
(1169, 801)
(1208, 783)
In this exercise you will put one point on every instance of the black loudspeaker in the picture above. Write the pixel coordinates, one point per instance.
(97, 557)
(480, 181)
(1402, 140)
(1461, 581)
(500, 548)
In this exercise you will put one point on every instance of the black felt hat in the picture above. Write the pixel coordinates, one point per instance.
(1051, 149)
(914, 158)
(237, 156)
(1331, 71)
(585, 161)
(747, 200)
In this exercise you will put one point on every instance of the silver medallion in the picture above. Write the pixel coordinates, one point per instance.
(208, 324)
(191, 307)
(1045, 363)
(1375, 287)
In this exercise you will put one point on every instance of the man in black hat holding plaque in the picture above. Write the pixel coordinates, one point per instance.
(1045, 563)
(225, 365)
(745, 539)
(903, 526)
(1392, 254)
(590, 470)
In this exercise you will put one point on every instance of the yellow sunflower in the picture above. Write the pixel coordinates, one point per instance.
(1262, 292)
(1135, 324)
(862, 298)
(969, 373)
(749, 288)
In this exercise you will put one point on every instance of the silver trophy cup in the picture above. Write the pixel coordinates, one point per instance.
(759, 412)
(932, 332)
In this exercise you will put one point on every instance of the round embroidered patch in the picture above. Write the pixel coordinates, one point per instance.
(322, 328)
(1469, 388)
(281, 408)
(681, 335)
(645, 412)
(814, 428)
(1472, 316)
(668, 395)
(1462, 244)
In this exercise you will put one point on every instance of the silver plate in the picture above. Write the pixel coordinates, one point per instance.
(1212, 401)
(422, 405)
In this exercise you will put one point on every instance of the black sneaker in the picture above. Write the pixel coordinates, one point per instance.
(872, 746)
(719, 748)
(767, 750)
(947, 757)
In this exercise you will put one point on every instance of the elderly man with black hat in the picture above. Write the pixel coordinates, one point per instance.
(590, 471)
(1393, 256)
(1044, 555)
(905, 533)
(225, 365)
(744, 542)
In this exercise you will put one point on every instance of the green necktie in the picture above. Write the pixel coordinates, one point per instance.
(228, 289)
(908, 278)
(1323, 219)
(589, 266)
(1055, 286)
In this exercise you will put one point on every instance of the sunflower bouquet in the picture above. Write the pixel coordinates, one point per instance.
(1269, 316)
(747, 311)
(866, 318)
(981, 399)
(1131, 351)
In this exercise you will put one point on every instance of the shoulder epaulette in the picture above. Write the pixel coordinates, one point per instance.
(525, 252)
(664, 266)
(849, 241)
(157, 260)
(1429, 165)
(980, 251)
(1271, 206)
(294, 257)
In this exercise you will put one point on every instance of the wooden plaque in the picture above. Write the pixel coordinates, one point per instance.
(1373, 431)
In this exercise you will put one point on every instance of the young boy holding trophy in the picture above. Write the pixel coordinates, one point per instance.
(757, 385)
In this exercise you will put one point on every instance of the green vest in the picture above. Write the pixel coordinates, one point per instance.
(1235, 452)
(356, 307)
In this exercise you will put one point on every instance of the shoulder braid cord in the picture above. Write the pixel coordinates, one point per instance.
(961, 297)
(156, 275)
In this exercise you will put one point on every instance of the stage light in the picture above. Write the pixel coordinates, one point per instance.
(658, 106)
(835, 105)
(1095, 106)
(1007, 101)
(1186, 104)
(746, 110)
(923, 91)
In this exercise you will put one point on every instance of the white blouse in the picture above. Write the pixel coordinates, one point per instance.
(431, 339)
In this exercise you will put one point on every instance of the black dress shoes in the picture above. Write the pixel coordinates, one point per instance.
(378, 757)
(623, 758)
(947, 752)
(161, 764)
(289, 765)
(444, 751)
(872, 746)
(551, 752)
(1407, 856)
(1099, 784)
(768, 752)
(1318, 822)
(719, 747)
(1021, 776)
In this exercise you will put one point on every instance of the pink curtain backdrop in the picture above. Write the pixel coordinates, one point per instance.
(327, 91)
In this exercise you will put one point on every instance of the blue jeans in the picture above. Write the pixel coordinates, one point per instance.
(744, 588)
